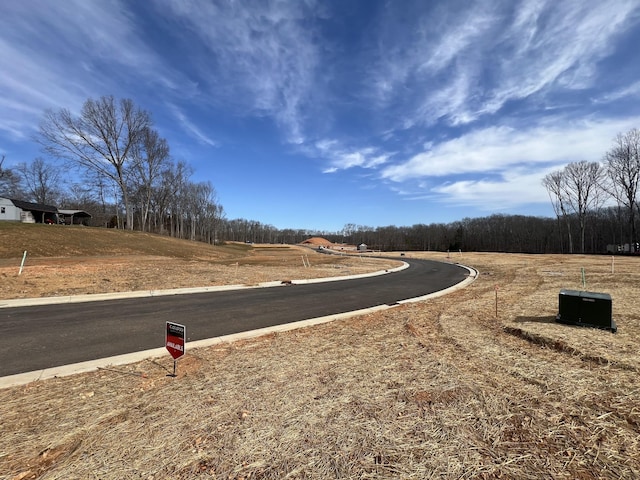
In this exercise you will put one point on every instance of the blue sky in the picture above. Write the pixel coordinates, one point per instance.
(315, 114)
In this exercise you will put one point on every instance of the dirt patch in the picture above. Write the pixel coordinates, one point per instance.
(61, 276)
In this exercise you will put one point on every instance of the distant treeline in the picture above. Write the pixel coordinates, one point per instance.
(495, 233)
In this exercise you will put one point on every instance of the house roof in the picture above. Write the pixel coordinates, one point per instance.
(78, 213)
(38, 207)
(41, 207)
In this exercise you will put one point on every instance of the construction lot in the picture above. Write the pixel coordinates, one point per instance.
(481, 383)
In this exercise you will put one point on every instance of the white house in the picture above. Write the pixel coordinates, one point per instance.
(26, 212)
(8, 211)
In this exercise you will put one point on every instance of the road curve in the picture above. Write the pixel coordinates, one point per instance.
(45, 336)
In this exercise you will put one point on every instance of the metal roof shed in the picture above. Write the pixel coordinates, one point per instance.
(73, 217)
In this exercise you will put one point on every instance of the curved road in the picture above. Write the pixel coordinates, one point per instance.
(39, 337)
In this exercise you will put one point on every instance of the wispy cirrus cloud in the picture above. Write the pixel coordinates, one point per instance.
(560, 48)
(343, 158)
(62, 53)
(191, 128)
(456, 66)
(259, 56)
(628, 91)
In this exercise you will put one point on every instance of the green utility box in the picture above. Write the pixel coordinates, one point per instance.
(586, 309)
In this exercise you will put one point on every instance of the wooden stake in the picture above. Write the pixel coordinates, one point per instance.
(24, 257)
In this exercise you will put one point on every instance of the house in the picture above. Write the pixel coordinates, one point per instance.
(26, 212)
(8, 211)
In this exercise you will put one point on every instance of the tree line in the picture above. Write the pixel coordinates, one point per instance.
(122, 173)
(579, 191)
(127, 178)
(494, 233)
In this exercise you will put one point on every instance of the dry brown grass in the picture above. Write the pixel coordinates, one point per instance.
(63, 260)
(436, 389)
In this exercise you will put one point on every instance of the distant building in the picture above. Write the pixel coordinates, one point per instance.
(13, 210)
(73, 217)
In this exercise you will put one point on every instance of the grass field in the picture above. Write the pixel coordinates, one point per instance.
(63, 260)
(446, 388)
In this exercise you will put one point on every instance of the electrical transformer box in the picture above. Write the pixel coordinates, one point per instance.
(587, 309)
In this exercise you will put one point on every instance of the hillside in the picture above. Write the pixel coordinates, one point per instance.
(64, 260)
(66, 241)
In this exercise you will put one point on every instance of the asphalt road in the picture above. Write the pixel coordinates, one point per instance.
(39, 337)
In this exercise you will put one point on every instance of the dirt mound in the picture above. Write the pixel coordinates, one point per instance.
(319, 241)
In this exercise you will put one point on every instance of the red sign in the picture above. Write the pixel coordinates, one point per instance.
(176, 334)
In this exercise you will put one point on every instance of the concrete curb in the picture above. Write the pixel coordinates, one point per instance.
(473, 275)
(92, 365)
(83, 367)
(98, 297)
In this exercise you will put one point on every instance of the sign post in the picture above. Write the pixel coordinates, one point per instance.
(174, 341)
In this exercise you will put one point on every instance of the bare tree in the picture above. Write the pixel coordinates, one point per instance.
(623, 168)
(9, 181)
(584, 192)
(576, 190)
(166, 199)
(152, 156)
(102, 139)
(102, 187)
(41, 181)
(554, 183)
(348, 231)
